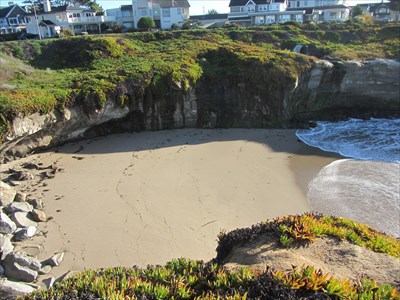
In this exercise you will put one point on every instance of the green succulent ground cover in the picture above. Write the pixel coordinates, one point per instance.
(188, 279)
(60, 72)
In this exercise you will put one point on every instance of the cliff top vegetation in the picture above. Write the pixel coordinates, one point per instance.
(39, 76)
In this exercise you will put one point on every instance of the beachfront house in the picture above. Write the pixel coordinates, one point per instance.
(123, 16)
(164, 12)
(12, 19)
(260, 12)
(53, 20)
(379, 11)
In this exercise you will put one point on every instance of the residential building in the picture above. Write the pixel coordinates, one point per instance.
(164, 12)
(379, 11)
(123, 16)
(12, 19)
(260, 12)
(53, 20)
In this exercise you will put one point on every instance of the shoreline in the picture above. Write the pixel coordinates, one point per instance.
(145, 198)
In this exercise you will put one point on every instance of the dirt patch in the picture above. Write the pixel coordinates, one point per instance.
(338, 258)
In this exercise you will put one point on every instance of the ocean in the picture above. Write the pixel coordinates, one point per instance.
(366, 186)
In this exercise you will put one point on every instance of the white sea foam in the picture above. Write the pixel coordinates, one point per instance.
(365, 191)
(374, 139)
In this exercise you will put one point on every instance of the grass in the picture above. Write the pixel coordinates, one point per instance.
(188, 279)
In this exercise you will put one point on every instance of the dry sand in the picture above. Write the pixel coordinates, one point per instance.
(146, 198)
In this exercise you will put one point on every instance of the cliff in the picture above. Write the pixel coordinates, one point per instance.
(84, 87)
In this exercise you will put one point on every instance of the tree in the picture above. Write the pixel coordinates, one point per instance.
(145, 23)
(212, 12)
(357, 11)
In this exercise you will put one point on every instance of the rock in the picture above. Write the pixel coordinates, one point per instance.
(12, 289)
(1, 270)
(38, 215)
(36, 203)
(7, 194)
(55, 260)
(18, 206)
(21, 175)
(6, 224)
(7, 247)
(49, 282)
(24, 233)
(21, 219)
(24, 260)
(66, 276)
(20, 197)
(45, 270)
(15, 271)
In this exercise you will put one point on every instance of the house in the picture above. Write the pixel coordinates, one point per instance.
(211, 21)
(123, 16)
(260, 12)
(53, 20)
(379, 11)
(12, 19)
(164, 12)
(321, 10)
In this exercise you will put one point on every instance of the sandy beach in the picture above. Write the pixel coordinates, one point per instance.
(146, 198)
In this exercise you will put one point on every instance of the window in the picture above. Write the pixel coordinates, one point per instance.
(298, 3)
(333, 15)
(143, 12)
(179, 10)
(12, 21)
(28, 19)
(166, 13)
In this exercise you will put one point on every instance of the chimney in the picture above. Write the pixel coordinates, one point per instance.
(47, 6)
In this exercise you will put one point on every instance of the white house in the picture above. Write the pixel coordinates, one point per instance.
(52, 20)
(260, 12)
(164, 12)
(123, 15)
(12, 19)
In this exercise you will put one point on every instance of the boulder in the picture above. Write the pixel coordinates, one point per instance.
(49, 282)
(23, 260)
(20, 197)
(11, 289)
(22, 220)
(17, 272)
(18, 206)
(38, 215)
(7, 194)
(36, 203)
(6, 247)
(55, 260)
(7, 226)
(24, 233)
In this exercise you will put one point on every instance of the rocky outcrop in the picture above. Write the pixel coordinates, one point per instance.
(329, 90)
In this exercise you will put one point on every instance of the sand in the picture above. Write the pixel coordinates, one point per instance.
(146, 198)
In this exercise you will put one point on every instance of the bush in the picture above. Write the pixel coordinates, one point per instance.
(174, 26)
(67, 32)
(118, 28)
(146, 23)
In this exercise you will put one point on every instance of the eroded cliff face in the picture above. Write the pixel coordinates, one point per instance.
(326, 91)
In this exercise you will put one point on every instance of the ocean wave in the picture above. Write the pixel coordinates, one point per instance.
(374, 139)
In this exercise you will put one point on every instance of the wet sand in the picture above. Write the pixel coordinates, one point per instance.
(146, 198)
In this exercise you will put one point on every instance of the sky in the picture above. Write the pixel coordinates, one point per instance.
(197, 7)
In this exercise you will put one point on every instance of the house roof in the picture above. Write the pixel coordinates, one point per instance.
(174, 3)
(64, 8)
(315, 8)
(257, 2)
(12, 11)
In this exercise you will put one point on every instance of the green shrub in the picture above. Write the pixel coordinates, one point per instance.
(145, 23)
